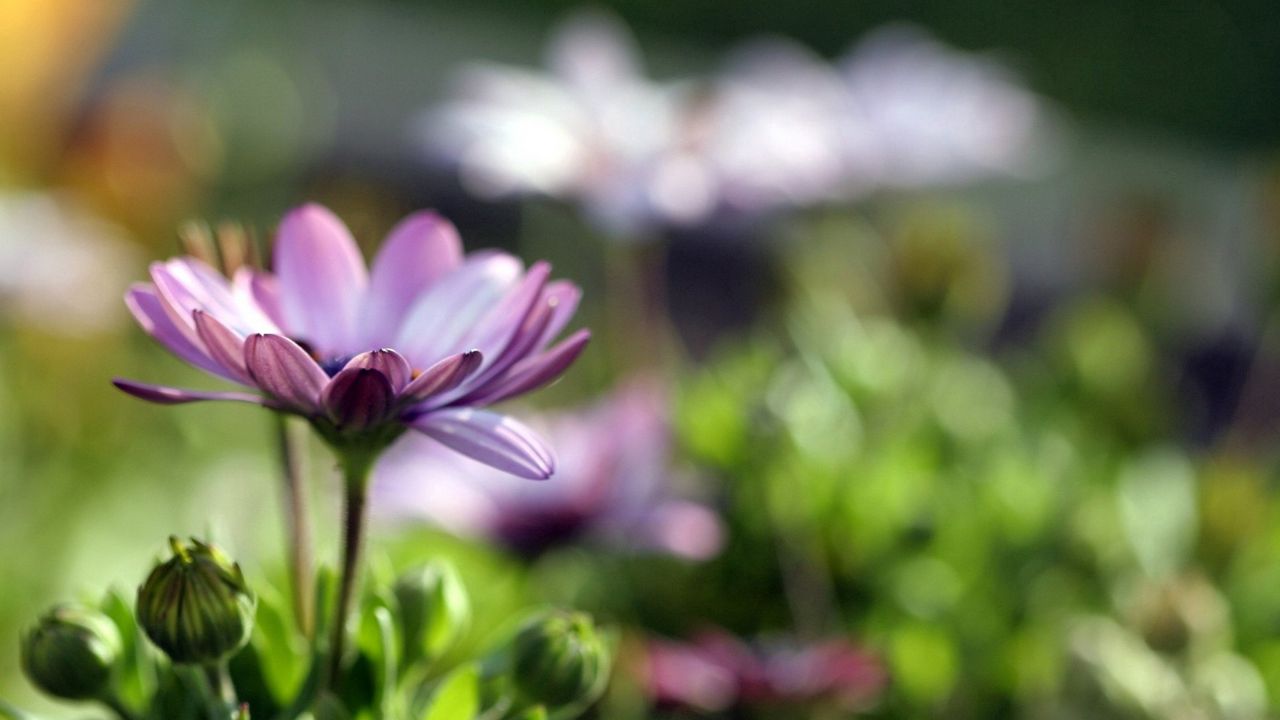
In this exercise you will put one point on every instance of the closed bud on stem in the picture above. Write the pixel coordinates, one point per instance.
(72, 652)
(560, 661)
(196, 606)
(434, 610)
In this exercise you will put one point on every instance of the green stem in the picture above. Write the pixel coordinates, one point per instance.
(356, 481)
(221, 687)
(297, 524)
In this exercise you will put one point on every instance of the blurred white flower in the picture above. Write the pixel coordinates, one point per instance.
(591, 128)
(922, 113)
(61, 267)
(778, 127)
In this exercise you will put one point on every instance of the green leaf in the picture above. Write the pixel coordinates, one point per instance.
(275, 662)
(381, 644)
(136, 680)
(457, 698)
(329, 707)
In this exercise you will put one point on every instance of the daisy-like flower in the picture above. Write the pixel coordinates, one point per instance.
(424, 339)
(612, 489)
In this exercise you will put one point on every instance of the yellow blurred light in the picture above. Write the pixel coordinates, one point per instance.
(47, 50)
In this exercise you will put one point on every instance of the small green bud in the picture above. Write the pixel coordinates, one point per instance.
(71, 652)
(196, 606)
(560, 661)
(434, 610)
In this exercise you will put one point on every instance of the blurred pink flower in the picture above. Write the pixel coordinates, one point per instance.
(612, 486)
(424, 340)
(717, 671)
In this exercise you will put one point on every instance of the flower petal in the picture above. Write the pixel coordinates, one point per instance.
(189, 284)
(442, 317)
(261, 291)
(149, 310)
(181, 286)
(283, 369)
(176, 396)
(493, 439)
(502, 323)
(563, 296)
(420, 250)
(443, 376)
(225, 346)
(531, 373)
(519, 345)
(322, 279)
(386, 361)
(358, 398)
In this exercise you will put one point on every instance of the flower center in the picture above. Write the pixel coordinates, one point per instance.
(333, 366)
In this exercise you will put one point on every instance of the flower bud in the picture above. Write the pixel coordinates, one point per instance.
(71, 652)
(434, 610)
(560, 661)
(196, 606)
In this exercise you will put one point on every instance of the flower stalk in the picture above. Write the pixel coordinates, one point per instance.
(297, 524)
(221, 687)
(356, 467)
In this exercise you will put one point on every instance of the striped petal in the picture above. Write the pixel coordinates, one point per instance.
(283, 369)
(386, 361)
(177, 396)
(444, 376)
(148, 308)
(503, 322)
(493, 439)
(358, 398)
(532, 373)
(225, 346)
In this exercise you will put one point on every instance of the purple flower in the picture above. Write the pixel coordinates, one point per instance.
(718, 671)
(425, 339)
(612, 486)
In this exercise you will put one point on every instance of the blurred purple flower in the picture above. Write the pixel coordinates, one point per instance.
(591, 128)
(718, 671)
(612, 486)
(316, 338)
